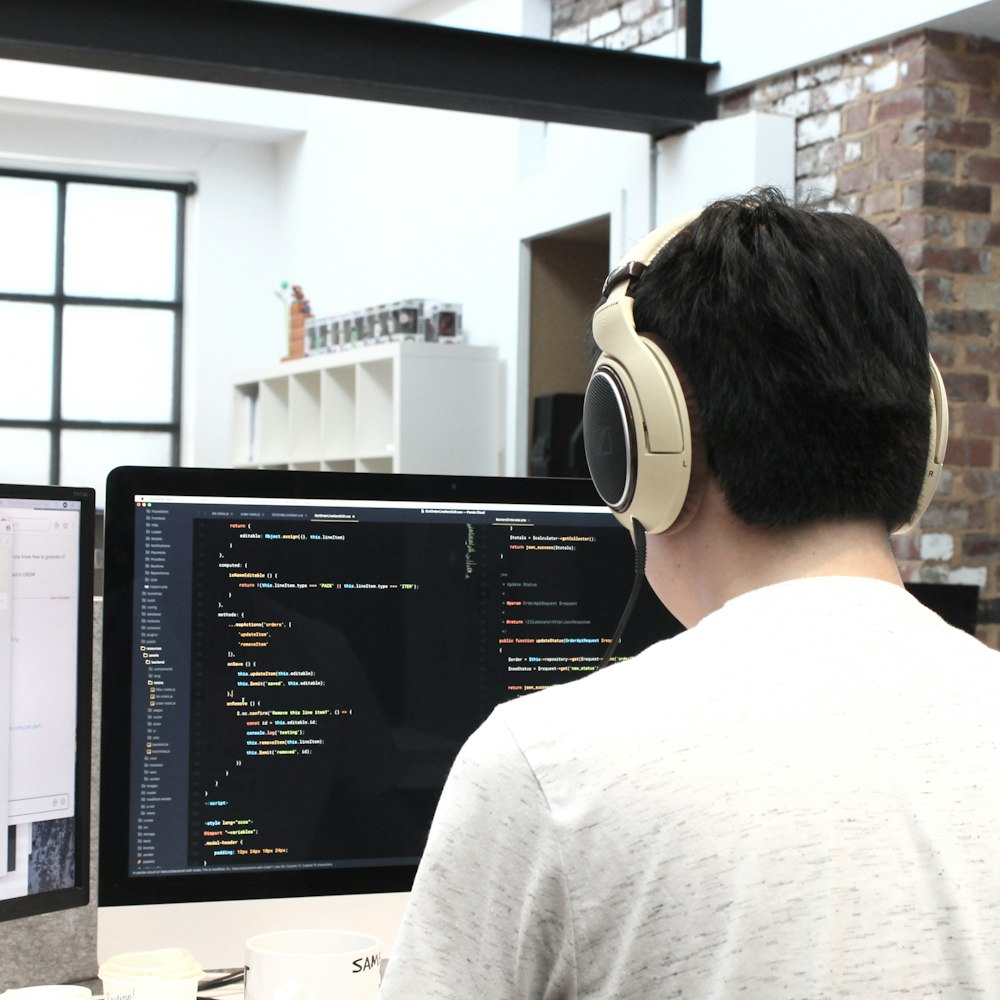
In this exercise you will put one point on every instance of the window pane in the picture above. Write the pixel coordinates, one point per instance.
(25, 361)
(24, 455)
(88, 456)
(117, 363)
(27, 235)
(120, 242)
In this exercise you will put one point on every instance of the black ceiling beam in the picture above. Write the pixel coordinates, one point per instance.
(289, 48)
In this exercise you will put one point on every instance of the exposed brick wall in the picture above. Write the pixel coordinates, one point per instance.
(907, 133)
(904, 134)
(615, 24)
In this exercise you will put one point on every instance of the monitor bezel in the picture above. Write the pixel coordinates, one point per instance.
(115, 886)
(77, 895)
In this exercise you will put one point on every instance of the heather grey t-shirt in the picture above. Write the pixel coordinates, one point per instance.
(798, 798)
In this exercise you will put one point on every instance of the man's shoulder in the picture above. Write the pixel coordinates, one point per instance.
(599, 700)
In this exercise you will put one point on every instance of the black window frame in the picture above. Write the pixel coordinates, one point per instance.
(56, 423)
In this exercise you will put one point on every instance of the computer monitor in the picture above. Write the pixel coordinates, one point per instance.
(46, 637)
(292, 661)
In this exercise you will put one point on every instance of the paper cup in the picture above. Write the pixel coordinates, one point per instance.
(315, 964)
(164, 974)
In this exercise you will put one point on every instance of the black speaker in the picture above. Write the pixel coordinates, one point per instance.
(956, 603)
(556, 439)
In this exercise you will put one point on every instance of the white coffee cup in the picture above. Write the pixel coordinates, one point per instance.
(48, 993)
(161, 974)
(318, 964)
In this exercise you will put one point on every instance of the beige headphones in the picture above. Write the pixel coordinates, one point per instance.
(637, 435)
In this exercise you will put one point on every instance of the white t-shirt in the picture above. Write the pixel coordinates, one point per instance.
(797, 798)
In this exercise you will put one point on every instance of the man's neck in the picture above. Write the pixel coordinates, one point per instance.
(716, 557)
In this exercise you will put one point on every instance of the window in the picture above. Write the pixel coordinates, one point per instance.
(91, 273)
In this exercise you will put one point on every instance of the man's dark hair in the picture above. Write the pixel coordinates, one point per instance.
(805, 345)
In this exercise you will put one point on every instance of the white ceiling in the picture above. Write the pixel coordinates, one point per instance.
(982, 19)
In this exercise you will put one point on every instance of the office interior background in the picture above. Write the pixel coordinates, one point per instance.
(887, 110)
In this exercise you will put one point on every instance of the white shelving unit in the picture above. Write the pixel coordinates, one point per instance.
(397, 407)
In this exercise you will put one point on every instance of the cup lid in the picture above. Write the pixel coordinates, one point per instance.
(161, 963)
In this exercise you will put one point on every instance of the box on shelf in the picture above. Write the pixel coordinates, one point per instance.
(443, 322)
(404, 320)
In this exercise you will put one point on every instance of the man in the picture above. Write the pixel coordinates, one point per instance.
(799, 796)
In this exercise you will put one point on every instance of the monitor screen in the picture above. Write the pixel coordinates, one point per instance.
(46, 635)
(293, 659)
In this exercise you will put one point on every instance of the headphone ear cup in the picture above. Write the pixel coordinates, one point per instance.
(609, 437)
(637, 437)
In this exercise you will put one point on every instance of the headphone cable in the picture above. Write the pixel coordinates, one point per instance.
(639, 534)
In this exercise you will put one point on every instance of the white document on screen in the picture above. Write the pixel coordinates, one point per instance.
(44, 589)
(6, 576)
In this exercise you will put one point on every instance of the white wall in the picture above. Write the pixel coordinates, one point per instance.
(722, 158)
(755, 40)
(358, 202)
(383, 203)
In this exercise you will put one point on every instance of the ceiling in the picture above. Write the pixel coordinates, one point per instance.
(982, 20)
(376, 8)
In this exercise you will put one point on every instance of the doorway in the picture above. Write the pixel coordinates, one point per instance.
(567, 270)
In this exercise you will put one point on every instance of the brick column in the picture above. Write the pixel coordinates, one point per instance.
(934, 170)
(904, 134)
(615, 24)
